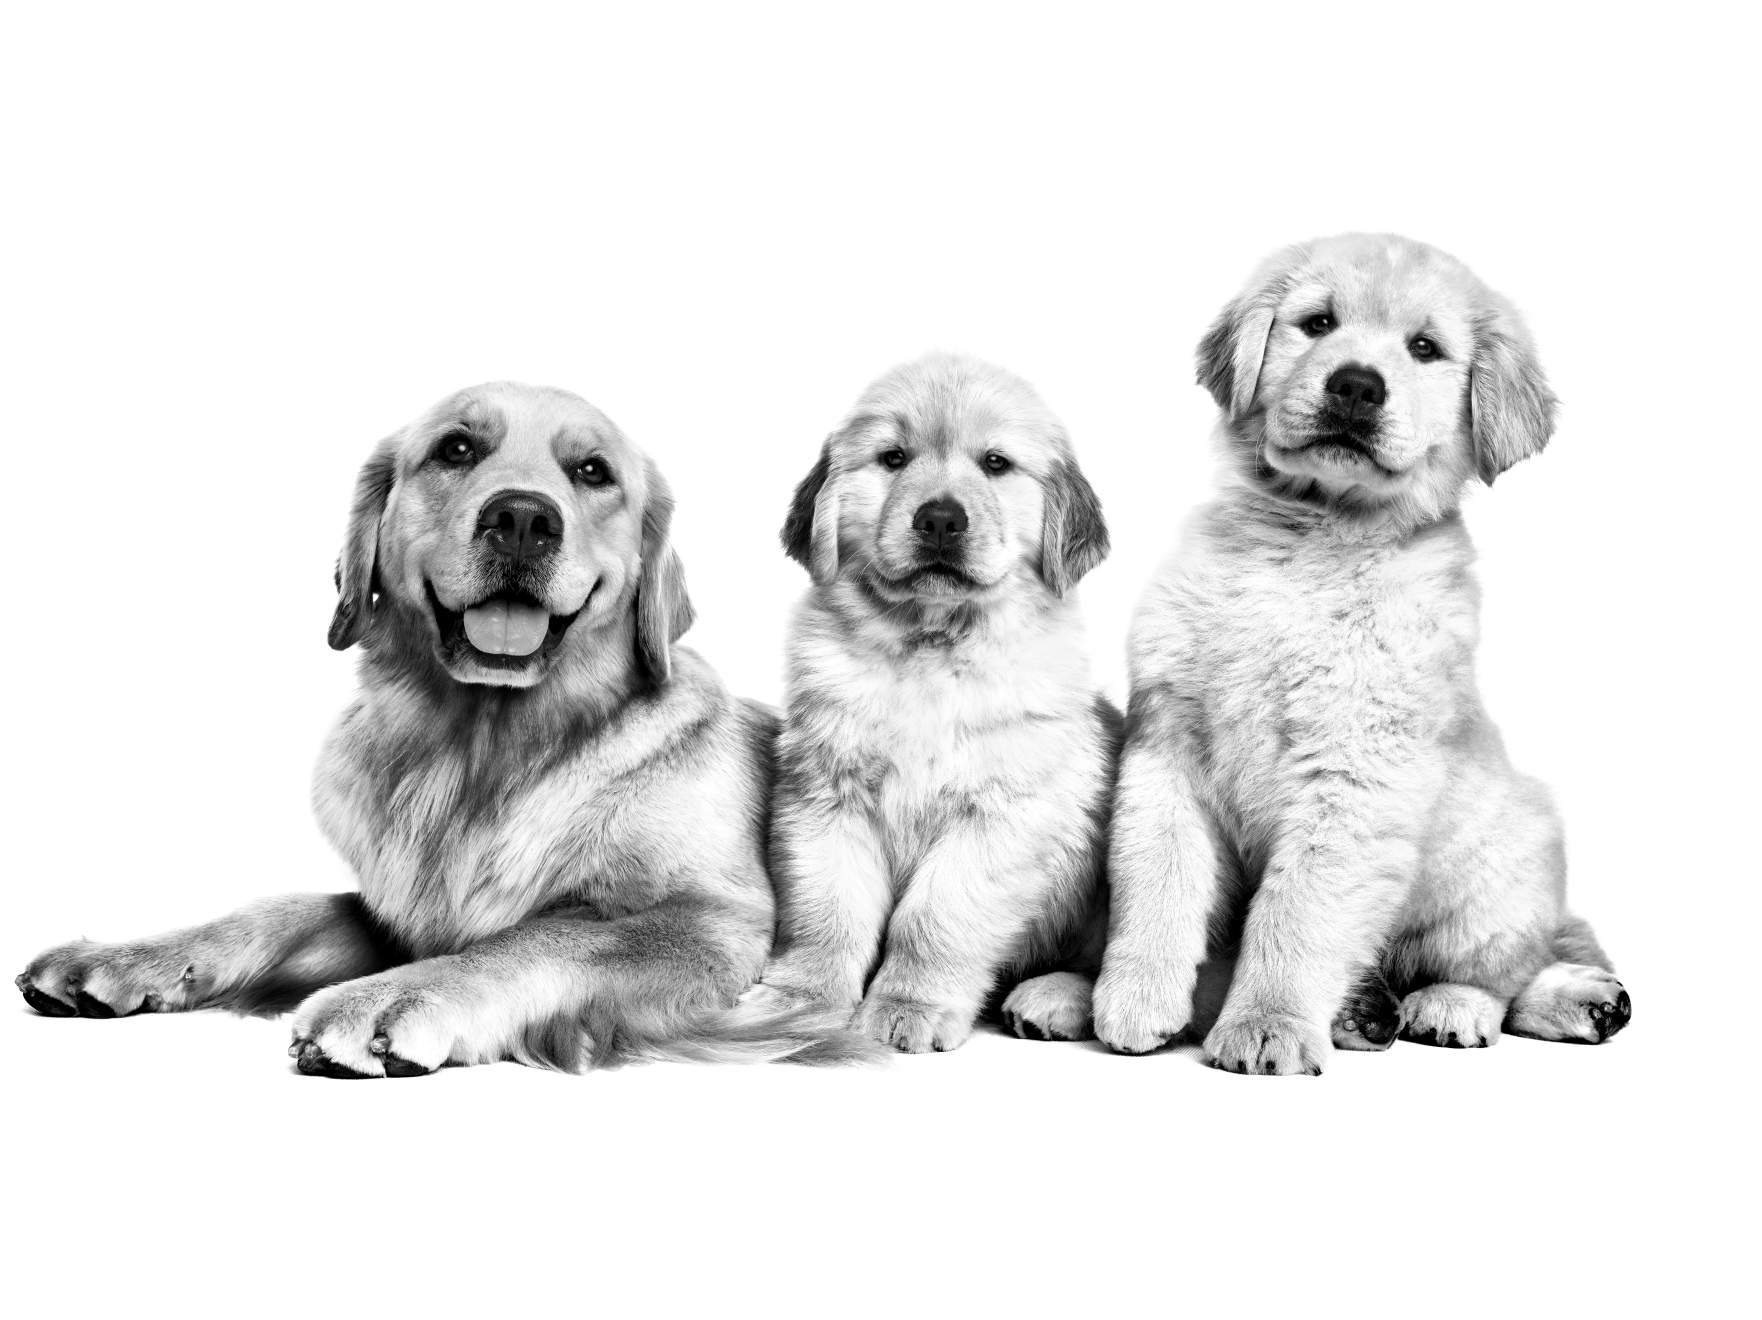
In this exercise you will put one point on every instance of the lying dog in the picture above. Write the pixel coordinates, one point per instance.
(557, 819)
(1304, 725)
(945, 763)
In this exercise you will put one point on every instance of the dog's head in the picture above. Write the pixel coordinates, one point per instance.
(949, 483)
(504, 530)
(1369, 370)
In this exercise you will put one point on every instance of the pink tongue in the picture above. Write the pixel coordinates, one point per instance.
(499, 627)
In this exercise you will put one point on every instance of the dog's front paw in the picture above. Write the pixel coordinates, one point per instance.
(83, 979)
(1136, 1014)
(389, 1025)
(1051, 1007)
(1458, 1017)
(1265, 1043)
(910, 1027)
(1370, 1019)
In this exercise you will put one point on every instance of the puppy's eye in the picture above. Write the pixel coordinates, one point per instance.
(996, 462)
(1424, 349)
(1318, 325)
(457, 449)
(893, 458)
(593, 472)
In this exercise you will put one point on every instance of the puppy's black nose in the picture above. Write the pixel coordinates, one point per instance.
(521, 525)
(1356, 389)
(940, 522)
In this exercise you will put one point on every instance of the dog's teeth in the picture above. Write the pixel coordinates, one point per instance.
(499, 627)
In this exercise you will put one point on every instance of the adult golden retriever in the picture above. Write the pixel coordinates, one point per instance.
(557, 818)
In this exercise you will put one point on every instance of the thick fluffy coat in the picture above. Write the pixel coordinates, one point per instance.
(556, 817)
(945, 762)
(1310, 780)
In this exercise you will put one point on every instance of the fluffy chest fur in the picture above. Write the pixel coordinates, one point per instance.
(915, 734)
(458, 829)
(1297, 653)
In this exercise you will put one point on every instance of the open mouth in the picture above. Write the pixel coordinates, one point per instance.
(506, 629)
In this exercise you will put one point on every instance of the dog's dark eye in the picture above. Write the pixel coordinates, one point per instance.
(996, 462)
(593, 473)
(458, 449)
(1318, 325)
(1424, 349)
(893, 458)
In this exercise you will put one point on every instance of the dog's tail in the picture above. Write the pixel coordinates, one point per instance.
(763, 1027)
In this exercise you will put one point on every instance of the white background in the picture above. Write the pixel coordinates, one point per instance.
(242, 244)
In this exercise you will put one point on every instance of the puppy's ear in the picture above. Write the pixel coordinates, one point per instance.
(663, 609)
(1073, 534)
(810, 529)
(357, 578)
(1231, 353)
(1511, 409)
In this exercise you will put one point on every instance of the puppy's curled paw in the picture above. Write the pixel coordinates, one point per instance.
(1055, 1006)
(1137, 1013)
(1267, 1043)
(1458, 1017)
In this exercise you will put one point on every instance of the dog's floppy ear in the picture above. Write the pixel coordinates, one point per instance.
(357, 580)
(1511, 409)
(810, 529)
(1073, 534)
(1230, 355)
(663, 609)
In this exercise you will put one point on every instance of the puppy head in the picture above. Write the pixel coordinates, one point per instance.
(506, 530)
(1369, 371)
(949, 482)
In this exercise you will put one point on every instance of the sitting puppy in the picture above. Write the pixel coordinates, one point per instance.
(556, 818)
(1306, 741)
(945, 763)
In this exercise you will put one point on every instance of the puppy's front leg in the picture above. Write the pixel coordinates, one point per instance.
(962, 915)
(261, 959)
(833, 896)
(1163, 868)
(1321, 915)
(544, 991)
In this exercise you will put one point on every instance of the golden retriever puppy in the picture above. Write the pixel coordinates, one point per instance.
(1310, 784)
(557, 818)
(945, 762)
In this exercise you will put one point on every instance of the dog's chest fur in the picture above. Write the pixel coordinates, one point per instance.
(1298, 654)
(454, 837)
(922, 736)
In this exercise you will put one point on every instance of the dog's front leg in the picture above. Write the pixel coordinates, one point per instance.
(548, 990)
(1325, 903)
(833, 897)
(261, 959)
(1163, 872)
(961, 917)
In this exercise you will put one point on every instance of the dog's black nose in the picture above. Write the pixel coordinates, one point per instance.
(940, 522)
(1356, 388)
(521, 525)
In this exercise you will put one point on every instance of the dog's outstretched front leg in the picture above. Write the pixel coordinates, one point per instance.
(1322, 913)
(549, 990)
(1163, 872)
(261, 959)
(833, 897)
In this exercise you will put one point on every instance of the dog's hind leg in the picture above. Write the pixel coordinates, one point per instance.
(263, 958)
(1576, 998)
(1370, 1018)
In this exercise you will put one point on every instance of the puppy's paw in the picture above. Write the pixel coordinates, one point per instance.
(1458, 1017)
(1051, 1007)
(1570, 1001)
(83, 979)
(1135, 1014)
(394, 1024)
(910, 1027)
(1265, 1043)
(1370, 1019)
